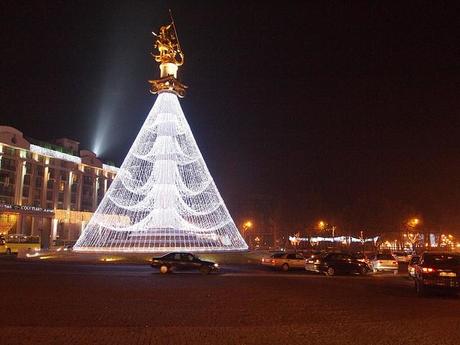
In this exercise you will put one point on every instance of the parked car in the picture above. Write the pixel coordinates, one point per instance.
(437, 270)
(183, 261)
(67, 247)
(360, 256)
(402, 256)
(13, 243)
(384, 262)
(336, 263)
(285, 261)
(411, 266)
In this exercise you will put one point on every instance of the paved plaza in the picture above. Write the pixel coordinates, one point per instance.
(75, 303)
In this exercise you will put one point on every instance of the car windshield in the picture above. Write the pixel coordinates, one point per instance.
(385, 257)
(442, 259)
(277, 255)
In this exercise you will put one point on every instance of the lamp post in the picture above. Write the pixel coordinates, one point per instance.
(322, 225)
(411, 224)
(246, 226)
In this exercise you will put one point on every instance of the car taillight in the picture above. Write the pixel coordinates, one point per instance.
(394, 262)
(273, 261)
(428, 269)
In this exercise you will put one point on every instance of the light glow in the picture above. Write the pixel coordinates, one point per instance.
(163, 197)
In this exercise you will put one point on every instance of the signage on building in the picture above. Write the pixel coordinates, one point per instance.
(25, 208)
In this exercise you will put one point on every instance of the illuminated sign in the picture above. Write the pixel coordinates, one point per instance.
(25, 208)
(335, 239)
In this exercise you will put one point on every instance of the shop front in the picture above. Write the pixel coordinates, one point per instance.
(26, 220)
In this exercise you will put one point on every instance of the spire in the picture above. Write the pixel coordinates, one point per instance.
(170, 57)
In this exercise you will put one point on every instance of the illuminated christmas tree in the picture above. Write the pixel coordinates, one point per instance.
(163, 197)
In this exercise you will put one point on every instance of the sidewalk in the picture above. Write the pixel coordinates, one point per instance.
(137, 258)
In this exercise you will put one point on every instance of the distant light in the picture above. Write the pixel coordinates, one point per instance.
(248, 224)
(109, 259)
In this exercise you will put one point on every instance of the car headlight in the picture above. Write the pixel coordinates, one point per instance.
(216, 265)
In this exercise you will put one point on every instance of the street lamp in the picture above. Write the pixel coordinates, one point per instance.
(322, 225)
(411, 224)
(246, 226)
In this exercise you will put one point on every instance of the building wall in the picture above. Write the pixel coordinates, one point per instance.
(52, 192)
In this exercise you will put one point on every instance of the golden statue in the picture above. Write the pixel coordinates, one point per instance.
(170, 57)
(168, 46)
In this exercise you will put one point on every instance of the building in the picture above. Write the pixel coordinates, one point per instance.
(49, 190)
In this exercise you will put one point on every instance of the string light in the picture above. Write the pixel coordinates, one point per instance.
(163, 197)
(110, 168)
(54, 154)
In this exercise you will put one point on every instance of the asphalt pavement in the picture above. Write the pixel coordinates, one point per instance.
(73, 303)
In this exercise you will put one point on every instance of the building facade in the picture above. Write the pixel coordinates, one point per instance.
(48, 190)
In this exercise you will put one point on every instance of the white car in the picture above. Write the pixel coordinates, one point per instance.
(285, 261)
(384, 262)
(402, 256)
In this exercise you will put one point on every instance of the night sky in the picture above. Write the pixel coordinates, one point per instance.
(327, 109)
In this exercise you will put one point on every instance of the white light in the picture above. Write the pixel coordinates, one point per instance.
(110, 168)
(163, 197)
(54, 154)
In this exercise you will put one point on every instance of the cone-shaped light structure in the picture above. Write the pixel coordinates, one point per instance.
(163, 197)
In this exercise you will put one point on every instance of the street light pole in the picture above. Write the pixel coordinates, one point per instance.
(325, 226)
(333, 236)
(246, 226)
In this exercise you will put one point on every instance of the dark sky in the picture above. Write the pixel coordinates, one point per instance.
(331, 109)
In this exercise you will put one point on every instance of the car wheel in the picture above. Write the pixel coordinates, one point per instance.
(205, 270)
(330, 271)
(363, 271)
(420, 289)
(285, 267)
(164, 269)
(8, 251)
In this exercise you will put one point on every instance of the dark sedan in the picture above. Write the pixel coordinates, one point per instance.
(183, 261)
(436, 270)
(336, 263)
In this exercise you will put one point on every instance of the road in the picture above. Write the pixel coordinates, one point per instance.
(65, 303)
